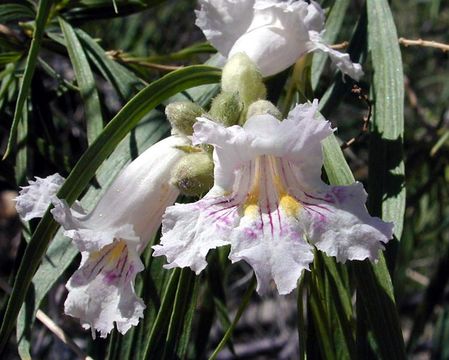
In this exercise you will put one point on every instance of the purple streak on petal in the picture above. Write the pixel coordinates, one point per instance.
(98, 264)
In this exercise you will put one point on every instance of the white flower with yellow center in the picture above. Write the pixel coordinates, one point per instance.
(112, 236)
(270, 204)
(274, 34)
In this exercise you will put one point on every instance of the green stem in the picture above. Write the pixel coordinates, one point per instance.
(231, 328)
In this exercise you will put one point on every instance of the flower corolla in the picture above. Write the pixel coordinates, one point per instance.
(112, 236)
(274, 34)
(269, 203)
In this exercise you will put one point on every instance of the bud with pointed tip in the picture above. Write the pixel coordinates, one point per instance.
(193, 175)
(241, 75)
(226, 109)
(262, 107)
(182, 115)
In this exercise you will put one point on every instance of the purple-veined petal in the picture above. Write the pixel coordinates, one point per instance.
(341, 226)
(189, 231)
(101, 291)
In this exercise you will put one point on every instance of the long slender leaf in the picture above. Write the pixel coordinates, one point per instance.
(373, 281)
(85, 169)
(387, 190)
(11, 12)
(123, 80)
(85, 80)
(43, 11)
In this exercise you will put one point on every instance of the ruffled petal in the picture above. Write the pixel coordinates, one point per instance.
(275, 247)
(34, 199)
(101, 291)
(231, 149)
(341, 60)
(189, 231)
(338, 223)
(223, 21)
(315, 18)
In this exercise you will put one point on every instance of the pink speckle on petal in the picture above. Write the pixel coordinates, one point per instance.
(250, 233)
(110, 277)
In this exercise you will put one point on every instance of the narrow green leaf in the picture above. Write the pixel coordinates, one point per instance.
(123, 80)
(373, 280)
(21, 167)
(320, 321)
(43, 11)
(159, 327)
(245, 300)
(386, 188)
(86, 167)
(103, 9)
(184, 300)
(12, 12)
(184, 337)
(85, 80)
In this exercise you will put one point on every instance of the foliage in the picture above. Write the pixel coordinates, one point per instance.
(83, 87)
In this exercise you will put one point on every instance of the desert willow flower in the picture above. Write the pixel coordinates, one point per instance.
(274, 34)
(112, 236)
(269, 203)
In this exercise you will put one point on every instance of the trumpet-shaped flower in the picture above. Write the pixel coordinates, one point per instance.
(112, 236)
(269, 203)
(274, 34)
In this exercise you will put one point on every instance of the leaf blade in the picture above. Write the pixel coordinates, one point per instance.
(85, 80)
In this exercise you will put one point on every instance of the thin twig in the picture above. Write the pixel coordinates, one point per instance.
(417, 277)
(120, 56)
(425, 43)
(340, 46)
(414, 104)
(51, 325)
(357, 90)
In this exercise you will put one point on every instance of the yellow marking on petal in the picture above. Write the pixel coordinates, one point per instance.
(251, 207)
(290, 205)
(116, 251)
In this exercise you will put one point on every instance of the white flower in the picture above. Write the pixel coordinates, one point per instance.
(113, 235)
(270, 204)
(274, 34)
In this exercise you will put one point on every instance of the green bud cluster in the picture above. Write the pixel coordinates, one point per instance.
(193, 175)
(240, 75)
(262, 107)
(182, 115)
(226, 109)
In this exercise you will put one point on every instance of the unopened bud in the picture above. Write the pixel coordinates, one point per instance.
(263, 107)
(241, 75)
(193, 175)
(226, 109)
(182, 115)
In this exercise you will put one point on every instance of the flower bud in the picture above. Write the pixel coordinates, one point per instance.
(193, 175)
(182, 115)
(226, 109)
(241, 75)
(262, 107)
